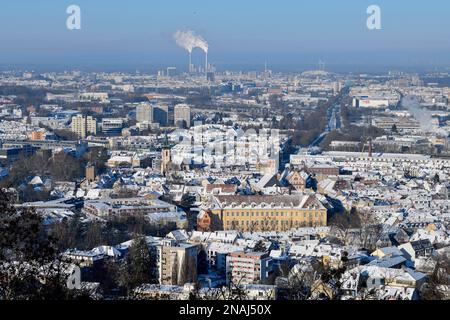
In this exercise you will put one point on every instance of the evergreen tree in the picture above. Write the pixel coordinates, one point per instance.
(139, 265)
(28, 265)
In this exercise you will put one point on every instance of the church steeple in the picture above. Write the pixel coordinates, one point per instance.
(165, 155)
(166, 144)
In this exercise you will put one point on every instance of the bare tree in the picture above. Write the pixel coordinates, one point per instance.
(437, 286)
(370, 231)
(340, 227)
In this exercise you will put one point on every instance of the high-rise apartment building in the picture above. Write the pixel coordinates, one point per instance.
(84, 125)
(177, 262)
(182, 115)
(144, 113)
(161, 114)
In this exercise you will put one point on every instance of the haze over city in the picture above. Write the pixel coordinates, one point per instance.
(290, 35)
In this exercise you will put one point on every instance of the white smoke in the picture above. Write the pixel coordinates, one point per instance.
(422, 115)
(189, 40)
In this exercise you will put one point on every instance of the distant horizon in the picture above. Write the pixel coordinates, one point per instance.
(284, 63)
(287, 68)
(241, 36)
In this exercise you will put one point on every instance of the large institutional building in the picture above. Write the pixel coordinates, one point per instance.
(266, 212)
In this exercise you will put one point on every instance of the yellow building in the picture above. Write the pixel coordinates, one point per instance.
(83, 126)
(266, 212)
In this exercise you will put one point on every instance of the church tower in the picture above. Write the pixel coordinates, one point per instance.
(165, 156)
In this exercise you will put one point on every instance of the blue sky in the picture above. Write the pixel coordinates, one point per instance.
(138, 33)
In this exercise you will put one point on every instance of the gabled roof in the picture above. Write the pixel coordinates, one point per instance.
(179, 235)
(300, 174)
(388, 262)
(268, 180)
(390, 251)
(36, 180)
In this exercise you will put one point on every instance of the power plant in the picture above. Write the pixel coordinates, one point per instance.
(189, 40)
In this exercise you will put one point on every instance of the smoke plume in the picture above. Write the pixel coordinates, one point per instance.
(422, 115)
(189, 40)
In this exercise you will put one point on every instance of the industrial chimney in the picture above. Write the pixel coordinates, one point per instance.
(190, 62)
